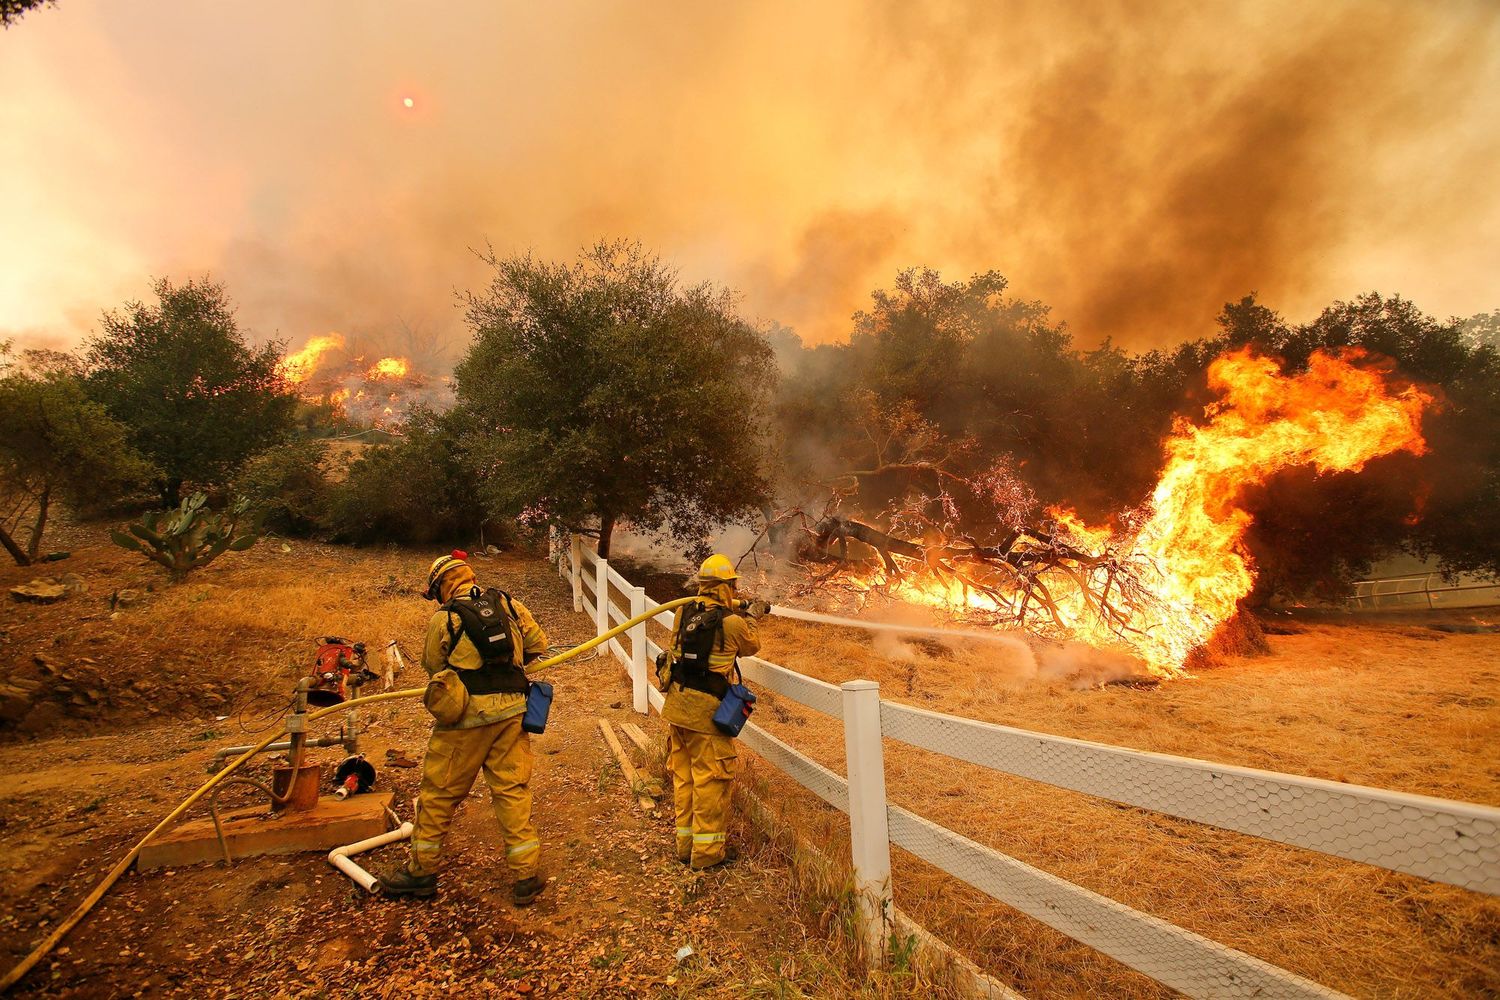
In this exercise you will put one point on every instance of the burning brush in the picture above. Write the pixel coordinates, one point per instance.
(378, 393)
(1163, 580)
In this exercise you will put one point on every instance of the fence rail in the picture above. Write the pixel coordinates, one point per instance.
(1421, 590)
(1437, 839)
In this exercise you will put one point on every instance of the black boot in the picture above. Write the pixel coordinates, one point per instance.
(526, 890)
(731, 855)
(402, 882)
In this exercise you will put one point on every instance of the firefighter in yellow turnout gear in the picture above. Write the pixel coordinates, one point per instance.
(486, 734)
(702, 759)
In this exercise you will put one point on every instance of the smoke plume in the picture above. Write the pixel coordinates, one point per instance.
(1134, 165)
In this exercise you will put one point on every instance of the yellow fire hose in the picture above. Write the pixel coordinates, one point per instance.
(82, 910)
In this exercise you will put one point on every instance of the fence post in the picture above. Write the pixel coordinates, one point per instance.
(575, 563)
(869, 840)
(638, 652)
(601, 598)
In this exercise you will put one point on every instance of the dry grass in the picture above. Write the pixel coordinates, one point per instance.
(1390, 704)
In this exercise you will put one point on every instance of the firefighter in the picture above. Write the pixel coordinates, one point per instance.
(707, 639)
(478, 699)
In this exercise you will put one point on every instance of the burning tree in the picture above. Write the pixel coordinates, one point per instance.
(1160, 579)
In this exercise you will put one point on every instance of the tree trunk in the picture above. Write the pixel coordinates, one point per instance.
(171, 493)
(606, 529)
(15, 550)
(35, 545)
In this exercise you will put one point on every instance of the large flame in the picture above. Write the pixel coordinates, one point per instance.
(1188, 556)
(299, 367)
(378, 395)
(1334, 417)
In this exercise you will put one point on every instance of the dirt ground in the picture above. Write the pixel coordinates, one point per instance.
(113, 714)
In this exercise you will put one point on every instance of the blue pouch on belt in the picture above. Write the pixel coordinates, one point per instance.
(538, 705)
(735, 708)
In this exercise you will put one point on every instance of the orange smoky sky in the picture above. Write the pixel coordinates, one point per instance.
(1133, 164)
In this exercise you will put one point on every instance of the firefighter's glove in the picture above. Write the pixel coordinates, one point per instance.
(757, 609)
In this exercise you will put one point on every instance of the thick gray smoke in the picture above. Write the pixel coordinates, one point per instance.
(1135, 165)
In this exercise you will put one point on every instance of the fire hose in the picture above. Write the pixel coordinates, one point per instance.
(82, 910)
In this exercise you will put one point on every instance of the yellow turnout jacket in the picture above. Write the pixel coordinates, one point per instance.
(527, 639)
(692, 709)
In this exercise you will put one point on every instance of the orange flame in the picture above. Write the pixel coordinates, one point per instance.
(1189, 554)
(299, 367)
(1334, 417)
(388, 368)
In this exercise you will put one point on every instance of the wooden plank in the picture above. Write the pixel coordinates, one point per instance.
(255, 830)
(638, 737)
(637, 785)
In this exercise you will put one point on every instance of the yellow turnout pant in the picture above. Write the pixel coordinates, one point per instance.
(702, 766)
(454, 757)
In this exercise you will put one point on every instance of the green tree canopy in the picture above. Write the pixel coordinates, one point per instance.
(603, 391)
(55, 443)
(197, 398)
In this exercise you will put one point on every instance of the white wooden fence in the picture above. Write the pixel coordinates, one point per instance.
(1437, 839)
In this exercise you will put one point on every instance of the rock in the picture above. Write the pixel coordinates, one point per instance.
(42, 717)
(126, 598)
(39, 591)
(15, 702)
(47, 666)
(75, 584)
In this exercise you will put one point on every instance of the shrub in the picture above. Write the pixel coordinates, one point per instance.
(414, 490)
(288, 485)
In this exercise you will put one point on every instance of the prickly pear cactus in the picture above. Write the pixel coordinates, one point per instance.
(192, 535)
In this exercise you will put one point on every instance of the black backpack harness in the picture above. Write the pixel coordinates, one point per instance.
(485, 618)
(702, 625)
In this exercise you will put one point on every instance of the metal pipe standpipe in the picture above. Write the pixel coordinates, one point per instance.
(322, 741)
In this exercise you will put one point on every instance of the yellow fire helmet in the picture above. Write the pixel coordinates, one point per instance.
(717, 567)
(440, 567)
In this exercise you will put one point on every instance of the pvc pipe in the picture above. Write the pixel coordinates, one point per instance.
(340, 857)
(939, 633)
